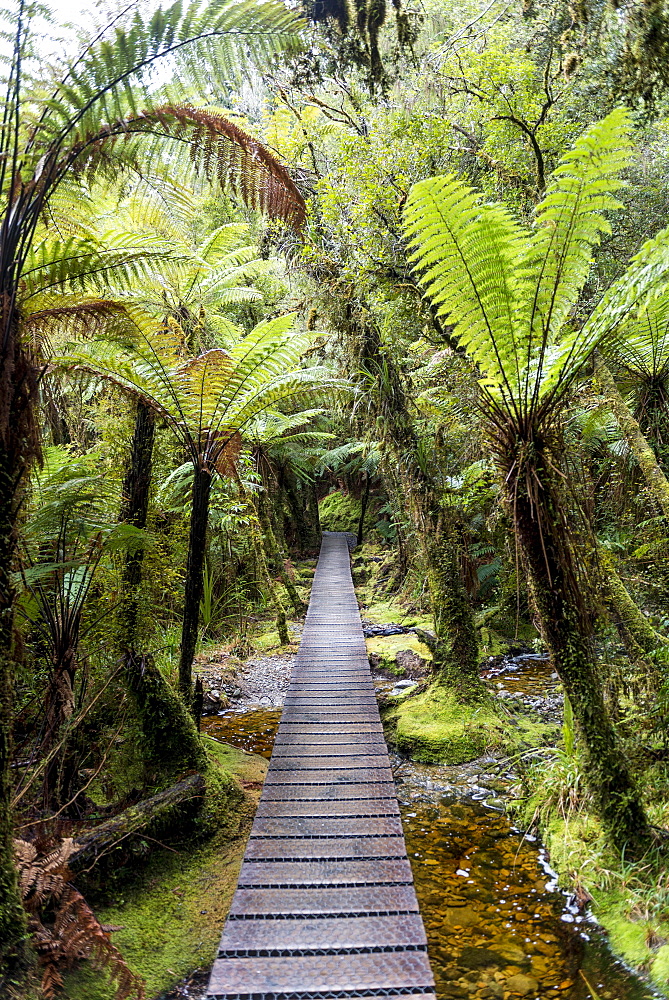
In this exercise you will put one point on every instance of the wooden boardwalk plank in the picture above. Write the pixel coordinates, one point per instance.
(325, 904)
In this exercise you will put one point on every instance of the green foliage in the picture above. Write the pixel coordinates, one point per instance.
(508, 291)
(339, 512)
(211, 398)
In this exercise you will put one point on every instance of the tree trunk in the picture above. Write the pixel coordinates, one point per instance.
(314, 510)
(632, 625)
(19, 445)
(276, 559)
(59, 707)
(197, 540)
(455, 657)
(134, 511)
(156, 814)
(12, 917)
(656, 481)
(263, 570)
(363, 510)
(169, 735)
(302, 527)
(567, 631)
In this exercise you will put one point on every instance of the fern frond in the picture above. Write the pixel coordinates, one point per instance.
(571, 218)
(217, 147)
(90, 262)
(467, 256)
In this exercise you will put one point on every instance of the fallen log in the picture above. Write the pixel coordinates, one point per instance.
(167, 808)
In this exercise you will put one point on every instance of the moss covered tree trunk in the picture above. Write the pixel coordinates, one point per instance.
(455, 656)
(303, 529)
(18, 447)
(197, 542)
(567, 631)
(170, 738)
(633, 626)
(363, 510)
(12, 917)
(275, 557)
(134, 511)
(315, 514)
(656, 481)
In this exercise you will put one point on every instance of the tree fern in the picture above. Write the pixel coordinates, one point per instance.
(509, 291)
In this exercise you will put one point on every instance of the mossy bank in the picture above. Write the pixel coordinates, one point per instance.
(628, 895)
(170, 905)
(433, 727)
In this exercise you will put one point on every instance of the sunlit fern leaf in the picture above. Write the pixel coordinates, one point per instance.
(571, 219)
(86, 262)
(467, 255)
(508, 292)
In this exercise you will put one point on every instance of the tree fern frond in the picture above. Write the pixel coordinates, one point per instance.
(571, 219)
(645, 280)
(467, 255)
(88, 262)
(217, 147)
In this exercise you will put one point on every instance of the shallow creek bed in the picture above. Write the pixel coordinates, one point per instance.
(497, 926)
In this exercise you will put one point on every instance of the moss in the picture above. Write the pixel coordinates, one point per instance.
(171, 922)
(386, 647)
(383, 612)
(172, 915)
(659, 970)
(267, 640)
(170, 738)
(434, 727)
(339, 512)
(622, 892)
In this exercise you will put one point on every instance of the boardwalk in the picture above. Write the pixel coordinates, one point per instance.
(325, 904)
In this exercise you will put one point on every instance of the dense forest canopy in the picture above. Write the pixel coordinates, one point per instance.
(270, 269)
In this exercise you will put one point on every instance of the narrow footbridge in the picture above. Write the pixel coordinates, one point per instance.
(325, 905)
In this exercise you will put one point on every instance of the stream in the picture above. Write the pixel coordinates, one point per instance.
(496, 923)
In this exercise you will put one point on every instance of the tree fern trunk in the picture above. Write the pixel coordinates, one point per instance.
(567, 631)
(197, 540)
(276, 559)
(12, 918)
(315, 515)
(457, 660)
(298, 513)
(134, 511)
(19, 444)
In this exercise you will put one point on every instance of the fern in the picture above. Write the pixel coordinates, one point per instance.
(468, 258)
(508, 291)
(71, 933)
(571, 219)
(208, 399)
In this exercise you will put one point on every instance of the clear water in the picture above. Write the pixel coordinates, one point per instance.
(496, 925)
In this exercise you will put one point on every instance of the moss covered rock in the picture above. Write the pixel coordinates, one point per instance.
(385, 653)
(339, 512)
(434, 727)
